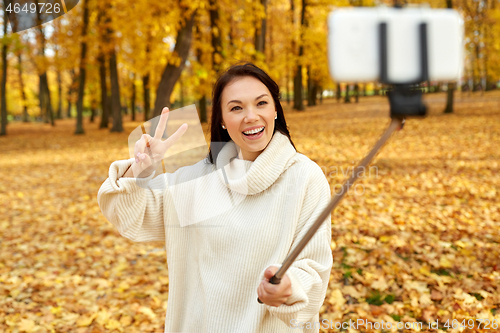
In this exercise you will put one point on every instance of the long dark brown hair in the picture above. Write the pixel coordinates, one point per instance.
(217, 133)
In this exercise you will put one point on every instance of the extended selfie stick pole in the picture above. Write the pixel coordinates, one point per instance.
(395, 124)
(405, 101)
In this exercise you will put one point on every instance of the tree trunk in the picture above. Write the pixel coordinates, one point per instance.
(59, 94)
(104, 91)
(41, 97)
(288, 84)
(311, 88)
(356, 92)
(101, 59)
(145, 84)
(147, 103)
(83, 62)
(49, 113)
(451, 85)
(71, 90)
(449, 98)
(216, 38)
(338, 93)
(68, 110)
(202, 102)
(298, 103)
(3, 129)
(115, 94)
(203, 108)
(93, 107)
(44, 91)
(315, 87)
(171, 73)
(21, 87)
(347, 97)
(260, 32)
(132, 102)
(298, 89)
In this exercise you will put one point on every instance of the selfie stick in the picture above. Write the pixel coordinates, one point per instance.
(395, 124)
(405, 101)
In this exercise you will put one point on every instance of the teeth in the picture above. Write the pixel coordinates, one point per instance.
(254, 130)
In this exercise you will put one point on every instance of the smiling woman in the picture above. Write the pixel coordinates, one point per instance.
(246, 109)
(249, 120)
(230, 219)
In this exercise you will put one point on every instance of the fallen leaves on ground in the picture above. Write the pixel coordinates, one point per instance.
(417, 240)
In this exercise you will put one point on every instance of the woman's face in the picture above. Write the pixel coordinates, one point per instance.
(247, 105)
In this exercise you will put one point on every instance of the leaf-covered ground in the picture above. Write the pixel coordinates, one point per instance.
(417, 240)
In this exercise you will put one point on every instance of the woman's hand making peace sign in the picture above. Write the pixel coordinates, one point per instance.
(149, 151)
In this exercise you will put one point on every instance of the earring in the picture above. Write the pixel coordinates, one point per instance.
(276, 117)
(224, 127)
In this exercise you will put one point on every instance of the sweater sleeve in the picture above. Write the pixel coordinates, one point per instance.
(133, 205)
(310, 272)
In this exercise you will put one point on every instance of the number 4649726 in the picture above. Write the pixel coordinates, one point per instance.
(43, 7)
(470, 323)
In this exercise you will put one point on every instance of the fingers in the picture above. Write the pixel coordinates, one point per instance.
(270, 298)
(143, 159)
(143, 166)
(270, 271)
(274, 294)
(160, 129)
(272, 288)
(176, 136)
(147, 139)
(141, 146)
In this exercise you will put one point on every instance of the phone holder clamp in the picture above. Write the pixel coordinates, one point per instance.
(405, 98)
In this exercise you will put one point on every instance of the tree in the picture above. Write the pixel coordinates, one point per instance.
(3, 130)
(449, 97)
(173, 69)
(201, 73)
(132, 99)
(102, 24)
(347, 97)
(260, 30)
(21, 88)
(145, 91)
(115, 85)
(83, 62)
(44, 91)
(297, 80)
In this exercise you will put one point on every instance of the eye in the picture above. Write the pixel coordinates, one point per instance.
(262, 102)
(234, 107)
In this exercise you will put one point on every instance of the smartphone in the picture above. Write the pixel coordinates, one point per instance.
(354, 48)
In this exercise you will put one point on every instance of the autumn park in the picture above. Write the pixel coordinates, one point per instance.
(415, 243)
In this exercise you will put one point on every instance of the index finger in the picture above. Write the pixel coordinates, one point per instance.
(160, 129)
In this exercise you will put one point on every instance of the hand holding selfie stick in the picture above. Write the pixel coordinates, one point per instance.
(276, 279)
(405, 100)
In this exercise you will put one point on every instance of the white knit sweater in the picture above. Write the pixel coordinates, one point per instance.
(255, 213)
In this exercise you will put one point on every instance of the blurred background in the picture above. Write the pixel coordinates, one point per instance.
(134, 58)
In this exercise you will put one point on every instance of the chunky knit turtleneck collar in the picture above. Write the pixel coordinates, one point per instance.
(247, 177)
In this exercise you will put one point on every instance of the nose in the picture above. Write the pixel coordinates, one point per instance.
(250, 115)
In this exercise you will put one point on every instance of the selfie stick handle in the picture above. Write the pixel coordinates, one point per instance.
(395, 124)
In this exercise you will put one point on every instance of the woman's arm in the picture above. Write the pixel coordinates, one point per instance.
(310, 273)
(133, 205)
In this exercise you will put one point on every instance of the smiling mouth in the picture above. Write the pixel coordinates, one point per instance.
(250, 135)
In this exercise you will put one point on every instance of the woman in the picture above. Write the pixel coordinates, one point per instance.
(222, 260)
